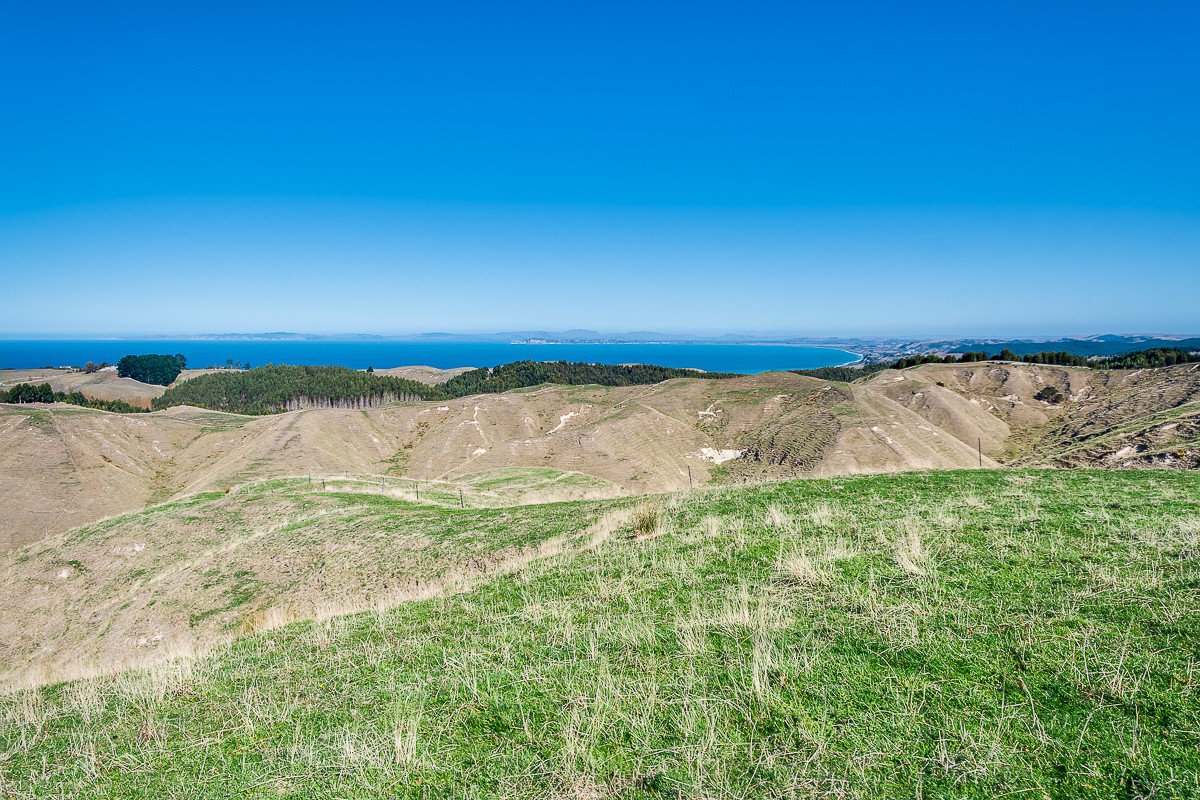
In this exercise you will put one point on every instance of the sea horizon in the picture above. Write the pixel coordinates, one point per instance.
(743, 357)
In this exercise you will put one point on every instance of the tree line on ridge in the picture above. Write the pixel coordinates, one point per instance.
(276, 387)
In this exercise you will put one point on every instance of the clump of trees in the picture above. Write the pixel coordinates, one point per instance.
(42, 393)
(152, 368)
(29, 393)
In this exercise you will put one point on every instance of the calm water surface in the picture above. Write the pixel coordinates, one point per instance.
(359, 354)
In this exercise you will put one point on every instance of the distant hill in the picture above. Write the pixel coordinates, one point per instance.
(1107, 345)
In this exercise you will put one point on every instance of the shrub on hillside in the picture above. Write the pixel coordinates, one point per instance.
(1049, 394)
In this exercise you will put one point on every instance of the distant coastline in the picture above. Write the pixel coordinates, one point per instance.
(858, 360)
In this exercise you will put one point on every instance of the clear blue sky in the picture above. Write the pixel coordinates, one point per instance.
(819, 168)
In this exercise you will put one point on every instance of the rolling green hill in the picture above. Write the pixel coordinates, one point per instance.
(945, 634)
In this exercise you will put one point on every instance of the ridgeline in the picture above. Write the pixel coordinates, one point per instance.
(1139, 359)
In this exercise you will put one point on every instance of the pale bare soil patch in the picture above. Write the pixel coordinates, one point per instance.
(430, 375)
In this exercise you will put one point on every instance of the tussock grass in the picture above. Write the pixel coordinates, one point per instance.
(824, 515)
(647, 521)
(911, 553)
(912, 645)
(777, 517)
(802, 569)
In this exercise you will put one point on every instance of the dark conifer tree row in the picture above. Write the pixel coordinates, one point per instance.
(278, 387)
(1061, 358)
(520, 374)
(275, 388)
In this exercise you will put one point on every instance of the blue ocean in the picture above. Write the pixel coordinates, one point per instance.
(383, 354)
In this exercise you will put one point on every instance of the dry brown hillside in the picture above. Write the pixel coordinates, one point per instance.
(1117, 418)
(103, 385)
(64, 466)
(61, 466)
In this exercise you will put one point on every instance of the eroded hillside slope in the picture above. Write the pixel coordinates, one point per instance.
(1103, 418)
(62, 466)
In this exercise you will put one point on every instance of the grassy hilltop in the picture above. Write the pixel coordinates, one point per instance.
(950, 634)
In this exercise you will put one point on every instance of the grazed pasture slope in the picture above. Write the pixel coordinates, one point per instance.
(61, 467)
(946, 634)
(180, 577)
